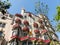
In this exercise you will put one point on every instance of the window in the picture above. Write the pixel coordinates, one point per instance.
(24, 43)
(13, 43)
(29, 43)
(3, 17)
(2, 24)
(11, 16)
(37, 35)
(15, 32)
(25, 16)
(30, 26)
(21, 25)
(1, 33)
(24, 34)
(45, 37)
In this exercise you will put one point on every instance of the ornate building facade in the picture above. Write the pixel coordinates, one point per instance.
(26, 29)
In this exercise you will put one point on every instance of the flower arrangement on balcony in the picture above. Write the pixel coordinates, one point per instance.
(42, 42)
(19, 15)
(18, 21)
(36, 31)
(46, 41)
(40, 21)
(15, 37)
(25, 22)
(16, 26)
(42, 26)
(32, 39)
(24, 38)
(35, 25)
(25, 29)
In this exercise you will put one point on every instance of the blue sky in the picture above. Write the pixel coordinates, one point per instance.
(29, 6)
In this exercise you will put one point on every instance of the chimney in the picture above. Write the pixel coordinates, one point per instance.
(22, 11)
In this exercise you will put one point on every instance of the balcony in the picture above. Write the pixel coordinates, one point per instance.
(18, 21)
(25, 29)
(42, 26)
(19, 15)
(25, 22)
(16, 26)
(35, 25)
(36, 31)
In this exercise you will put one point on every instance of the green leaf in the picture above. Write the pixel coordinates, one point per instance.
(58, 27)
(57, 18)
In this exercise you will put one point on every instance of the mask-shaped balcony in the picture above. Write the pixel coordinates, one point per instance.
(16, 26)
(19, 15)
(1, 35)
(42, 26)
(25, 29)
(36, 31)
(35, 25)
(18, 21)
(25, 22)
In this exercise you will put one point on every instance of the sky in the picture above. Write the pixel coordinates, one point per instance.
(29, 5)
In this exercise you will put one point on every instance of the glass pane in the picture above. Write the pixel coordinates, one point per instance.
(3, 25)
(14, 32)
(13, 43)
(24, 43)
(1, 33)
(24, 34)
(46, 37)
(37, 36)
(29, 43)
(0, 24)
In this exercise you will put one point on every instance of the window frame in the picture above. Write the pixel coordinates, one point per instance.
(2, 24)
(15, 32)
(1, 34)
(46, 37)
(37, 35)
(24, 33)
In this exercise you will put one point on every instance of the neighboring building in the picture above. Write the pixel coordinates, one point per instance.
(26, 29)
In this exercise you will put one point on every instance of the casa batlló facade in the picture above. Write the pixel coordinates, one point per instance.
(25, 29)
